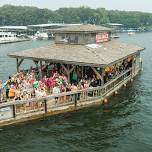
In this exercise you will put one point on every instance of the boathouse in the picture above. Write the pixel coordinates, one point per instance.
(83, 47)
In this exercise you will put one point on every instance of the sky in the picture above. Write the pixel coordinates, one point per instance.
(129, 5)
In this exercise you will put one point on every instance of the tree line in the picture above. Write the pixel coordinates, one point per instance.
(24, 15)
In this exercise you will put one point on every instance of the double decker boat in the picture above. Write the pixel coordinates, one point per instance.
(83, 50)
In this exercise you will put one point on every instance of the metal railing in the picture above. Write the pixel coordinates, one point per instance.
(14, 109)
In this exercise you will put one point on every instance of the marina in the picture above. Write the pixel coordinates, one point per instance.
(110, 63)
(13, 34)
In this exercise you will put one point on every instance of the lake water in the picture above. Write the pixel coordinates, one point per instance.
(124, 125)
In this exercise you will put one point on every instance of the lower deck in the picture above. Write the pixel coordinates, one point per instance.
(21, 111)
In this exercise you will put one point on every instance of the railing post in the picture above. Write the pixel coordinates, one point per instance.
(14, 113)
(45, 105)
(75, 99)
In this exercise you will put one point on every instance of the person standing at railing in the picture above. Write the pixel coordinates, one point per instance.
(56, 91)
(38, 93)
(73, 89)
(85, 88)
(2, 91)
(12, 92)
(68, 89)
(43, 92)
(79, 87)
(18, 94)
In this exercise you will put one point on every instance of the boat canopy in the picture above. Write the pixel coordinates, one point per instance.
(97, 55)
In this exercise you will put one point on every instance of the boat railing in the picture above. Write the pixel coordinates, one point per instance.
(19, 109)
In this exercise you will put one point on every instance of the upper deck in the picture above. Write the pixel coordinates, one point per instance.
(82, 34)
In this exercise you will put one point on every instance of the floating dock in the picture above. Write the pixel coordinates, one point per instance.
(87, 47)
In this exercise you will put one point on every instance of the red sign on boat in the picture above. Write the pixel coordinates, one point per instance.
(102, 37)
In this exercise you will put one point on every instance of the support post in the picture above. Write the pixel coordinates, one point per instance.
(75, 99)
(82, 75)
(96, 72)
(36, 63)
(40, 70)
(68, 71)
(17, 67)
(72, 69)
(45, 105)
(37, 66)
(99, 75)
(14, 113)
(19, 63)
(85, 71)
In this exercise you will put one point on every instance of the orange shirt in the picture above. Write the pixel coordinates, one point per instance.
(12, 92)
(107, 69)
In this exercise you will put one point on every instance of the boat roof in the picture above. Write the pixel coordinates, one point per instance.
(88, 28)
(114, 24)
(14, 27)
(52, 24)
(96, 55)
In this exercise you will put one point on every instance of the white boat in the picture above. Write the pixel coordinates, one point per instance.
(12, 37)
(41, 35)
(131, 32)
(8, 37)
(114, 35)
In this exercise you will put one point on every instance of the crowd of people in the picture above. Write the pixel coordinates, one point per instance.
(25, 85)
(113, 71)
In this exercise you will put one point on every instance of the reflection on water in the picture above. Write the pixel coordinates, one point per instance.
(124, 125)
